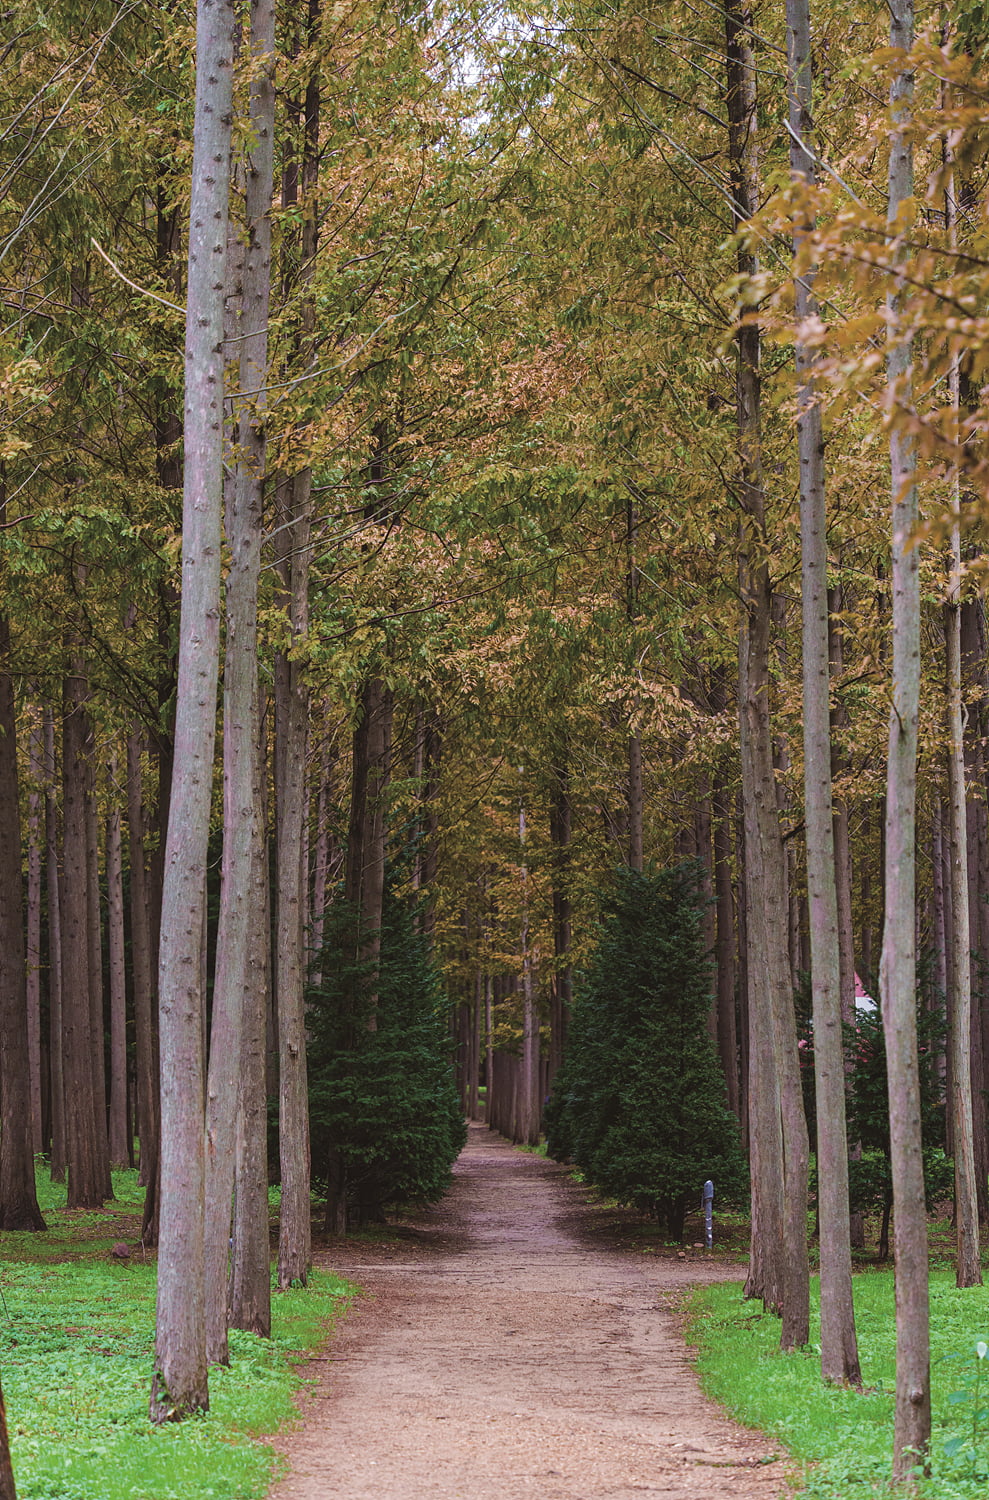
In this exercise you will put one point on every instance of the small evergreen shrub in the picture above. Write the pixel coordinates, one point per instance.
(639, 1103)
(385, 1116)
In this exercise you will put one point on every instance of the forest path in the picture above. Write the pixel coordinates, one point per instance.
(502, 1354)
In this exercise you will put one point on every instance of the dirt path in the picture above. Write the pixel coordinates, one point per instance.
(502, 1355)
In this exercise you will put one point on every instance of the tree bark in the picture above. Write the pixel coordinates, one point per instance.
(97, 1022)
(898, 979)
(529, 1112)
(142, 971)
(119, 1149)
(968, 1267)
(294, 507)
(235, 990)
(321, 858)
(250, 1274)
(8, 1490)
(180, 1380)
(973, 658)
(35, 880)
(725, 940)
(86, 1184)
(839, 1348)
(779, 1271)
(561, 821)
(18, 1199)
(53, 886)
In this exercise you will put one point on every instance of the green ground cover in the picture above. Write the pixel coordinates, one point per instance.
(76, 1341)
(843, 1437)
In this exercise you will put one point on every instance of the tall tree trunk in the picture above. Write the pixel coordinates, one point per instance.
(898, 976)
(527, 1124)
(180, 1379)
(321, 859)
(725, 940)
(235, 991)
(973, 669)
(18, 1199)
(86, 1185)
(968, 1268)
(35, 880)
(250, 1274)
(97, 1023)
(779, 1271)
(294, 505)
(561, 820)
(53, 887)
(119, 1147)
(142, 972)
(839, 1348)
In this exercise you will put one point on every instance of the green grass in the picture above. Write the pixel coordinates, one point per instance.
(76, 1344)
(843, 1437)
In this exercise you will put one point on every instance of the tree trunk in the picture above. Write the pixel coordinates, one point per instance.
(7, 1488)
(321, 859)
(294, 507)
(250, 1276)
(98, 1028)
(291, 713)
(142, 972)
(725, 940)
(898, 979)
(779, 1272)
(973, 656)
(119, 1148)
(53, 885)
(180, 1380)
(86, 1185)
(35, 878)
(561, 820)
(235, 991)
(18, 1199)
(839, 1349)
(968, 1268)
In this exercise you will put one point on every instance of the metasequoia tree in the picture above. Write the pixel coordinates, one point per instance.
(839, 1351)
(898, 971)
(238, 996)
(118, 1124)
(179, 1386)
(968, 1267)
(293, 520)
(779, 1272)
(85, 1118)
(18, 1199)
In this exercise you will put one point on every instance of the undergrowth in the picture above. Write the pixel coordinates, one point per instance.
(76, 1345)
(842, 1437)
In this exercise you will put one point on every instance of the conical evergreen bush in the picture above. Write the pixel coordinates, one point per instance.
(385, 1116)
(639, 1103)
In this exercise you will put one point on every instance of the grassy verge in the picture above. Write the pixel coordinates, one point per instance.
(76, 1341)
(843, 1437)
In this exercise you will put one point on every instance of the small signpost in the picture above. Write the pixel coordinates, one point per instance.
(707, 1198)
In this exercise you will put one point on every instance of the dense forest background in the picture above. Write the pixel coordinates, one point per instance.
(594, 398)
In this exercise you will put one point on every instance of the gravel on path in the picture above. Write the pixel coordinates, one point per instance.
(498, 1354)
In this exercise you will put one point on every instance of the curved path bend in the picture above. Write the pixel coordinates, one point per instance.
(500, 1355)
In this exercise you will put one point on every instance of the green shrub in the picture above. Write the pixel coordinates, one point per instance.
(385, 1116)
(639, 1104)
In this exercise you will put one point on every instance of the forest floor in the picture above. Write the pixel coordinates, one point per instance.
(506, 1347)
